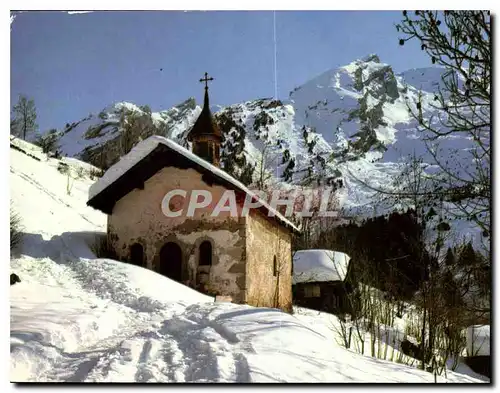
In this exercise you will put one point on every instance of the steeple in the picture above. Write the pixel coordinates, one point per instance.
(205, 135)
(206, 79)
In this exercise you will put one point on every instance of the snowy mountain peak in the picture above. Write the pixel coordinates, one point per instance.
(347, 124)
(371, 57)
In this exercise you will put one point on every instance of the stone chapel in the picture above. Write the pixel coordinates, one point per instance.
(247, 258)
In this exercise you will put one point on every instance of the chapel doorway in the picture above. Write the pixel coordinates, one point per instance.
(171, 261)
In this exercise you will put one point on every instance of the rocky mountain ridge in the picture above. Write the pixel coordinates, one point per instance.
(349, 120)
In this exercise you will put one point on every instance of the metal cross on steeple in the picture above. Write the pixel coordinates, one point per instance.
(206, 80)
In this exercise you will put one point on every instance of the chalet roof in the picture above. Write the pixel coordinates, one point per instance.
(150, 156)
(319, 266)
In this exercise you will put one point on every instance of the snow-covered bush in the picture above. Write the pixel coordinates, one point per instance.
(15, 229)
(95, 173)
(80, 172)
(63, 168)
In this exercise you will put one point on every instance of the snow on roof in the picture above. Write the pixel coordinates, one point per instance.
(143, 148)
(319, 266)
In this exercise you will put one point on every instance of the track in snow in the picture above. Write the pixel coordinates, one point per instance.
(189, 347)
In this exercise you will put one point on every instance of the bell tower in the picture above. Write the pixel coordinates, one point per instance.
(205, 136)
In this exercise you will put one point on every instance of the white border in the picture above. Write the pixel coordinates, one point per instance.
(193, 5)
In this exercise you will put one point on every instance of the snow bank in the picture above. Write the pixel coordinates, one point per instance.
(138, 288)
(319, 265)
(73, 162)
(478, 340)
(60, 313)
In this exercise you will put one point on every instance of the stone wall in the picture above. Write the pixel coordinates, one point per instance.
(265, 241)
(138, 218)
(226, 275)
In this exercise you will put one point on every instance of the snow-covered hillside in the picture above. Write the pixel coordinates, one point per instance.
(76, 318)
(98, 138)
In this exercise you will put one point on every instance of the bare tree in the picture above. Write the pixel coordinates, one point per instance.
(454, 291)
(460, 41)
(263, 175)
(24, 121)
(134, 127)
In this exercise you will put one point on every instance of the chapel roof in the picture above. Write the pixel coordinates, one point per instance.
(151, 155)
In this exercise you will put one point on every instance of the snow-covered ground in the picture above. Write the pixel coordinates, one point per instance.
(386, 342)
(77, 318)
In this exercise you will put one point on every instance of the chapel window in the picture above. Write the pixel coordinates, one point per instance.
(205, 254)
(202, 150)
(137, 254)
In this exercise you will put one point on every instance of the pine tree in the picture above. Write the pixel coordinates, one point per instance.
(232, 157)
(450, 259)
(288, 172)
(48, 141)
(146, 109)
(467, 257)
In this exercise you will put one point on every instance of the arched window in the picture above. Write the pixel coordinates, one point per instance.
(136, 254)
(275, 266)
(205, 254)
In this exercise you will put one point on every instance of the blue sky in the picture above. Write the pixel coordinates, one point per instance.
(73, 65)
